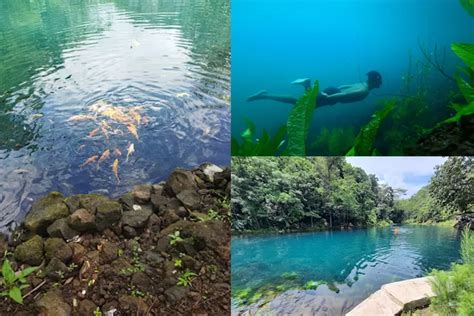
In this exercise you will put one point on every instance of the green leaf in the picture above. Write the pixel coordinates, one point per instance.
(15, 294)
(465, 52)
(8, 273)
(466, 89)
(468, 6)
(461, 110)
(299, 122)
(28, 271)
(364, 142)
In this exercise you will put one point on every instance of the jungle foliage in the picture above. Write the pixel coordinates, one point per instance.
(282, 193)
(454, 289)
(450, 192)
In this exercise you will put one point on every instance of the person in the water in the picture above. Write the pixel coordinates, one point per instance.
(329, 96)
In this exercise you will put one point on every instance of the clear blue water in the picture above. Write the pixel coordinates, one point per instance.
(337, 42)
(59, 58)
(358, 262)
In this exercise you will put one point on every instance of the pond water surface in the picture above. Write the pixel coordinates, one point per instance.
(356, 263)
(78, 78)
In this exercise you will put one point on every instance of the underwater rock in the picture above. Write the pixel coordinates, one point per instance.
(191, 199)
(136, 219)
(81, 220)
(52, 304)
(179, 181)
(56, 247)
(448, 139)
(31, 251)
(108, 213)
(61, 229)
(44, 212)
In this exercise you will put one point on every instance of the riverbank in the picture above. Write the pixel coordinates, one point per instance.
(159, 249)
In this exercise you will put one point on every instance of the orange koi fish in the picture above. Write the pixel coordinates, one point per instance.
(131, 150)
(94, 132)
(104, 156)
(115, 169)
(90, 160)
(136, 117)
(133, 130)
(79, 118)
(117, 152)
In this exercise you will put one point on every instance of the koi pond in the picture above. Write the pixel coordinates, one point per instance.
(333, 271)
(102, 95)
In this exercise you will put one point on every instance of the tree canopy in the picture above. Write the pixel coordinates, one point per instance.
(282, 193)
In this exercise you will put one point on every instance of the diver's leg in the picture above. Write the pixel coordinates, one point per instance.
(263, 95)
(305, 82)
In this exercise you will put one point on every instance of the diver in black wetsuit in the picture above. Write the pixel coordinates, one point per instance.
(329, 96)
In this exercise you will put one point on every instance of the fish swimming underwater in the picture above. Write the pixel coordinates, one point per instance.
(133, 130)
(94, 132)
(90, 160)
(105, 155)
(115, 169)
(117, 152)
(131, 150)
(80, 117)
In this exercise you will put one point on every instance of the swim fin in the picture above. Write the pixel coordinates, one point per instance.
(305, 82)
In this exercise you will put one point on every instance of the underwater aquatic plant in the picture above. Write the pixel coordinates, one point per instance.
(299, 121)
(364, 142)
(466, 53)
(468, 6)
(264, 146)
(333, 142)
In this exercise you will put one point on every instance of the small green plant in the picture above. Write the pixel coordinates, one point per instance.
(97, 312)
(72, 267)
(178, 263)
(289, 275)
(311, 285)
(13, 282)
(120, 252)
(454, 289)
(137, 293)
(186, 278)
(175, 237)
(60, 274)
(264, 146)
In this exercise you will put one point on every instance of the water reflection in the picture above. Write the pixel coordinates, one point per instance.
(59, 58)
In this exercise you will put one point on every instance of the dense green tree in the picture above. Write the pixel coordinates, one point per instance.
(286, 193)
(452, 186)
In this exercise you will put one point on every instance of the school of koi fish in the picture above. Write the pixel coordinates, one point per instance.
(111, 121)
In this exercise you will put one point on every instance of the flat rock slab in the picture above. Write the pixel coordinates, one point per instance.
(395, 297)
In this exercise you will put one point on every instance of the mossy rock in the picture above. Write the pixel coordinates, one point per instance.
(45, 211)
(89, 202)
(290, 275)
(108, 213)
(31, 251)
